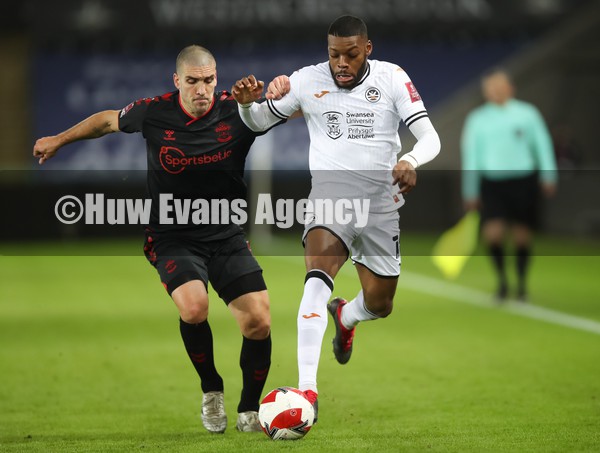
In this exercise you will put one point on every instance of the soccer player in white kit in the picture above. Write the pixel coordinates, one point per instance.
(353, 107)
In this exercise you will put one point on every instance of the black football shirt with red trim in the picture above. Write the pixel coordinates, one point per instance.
(191, 158)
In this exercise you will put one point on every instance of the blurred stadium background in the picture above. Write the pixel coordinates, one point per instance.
(66, 59)
(90, 358)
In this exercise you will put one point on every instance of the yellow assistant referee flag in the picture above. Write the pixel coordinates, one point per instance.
(455, 246)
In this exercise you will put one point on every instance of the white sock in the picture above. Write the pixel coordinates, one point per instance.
(356, 311)
(312, 322)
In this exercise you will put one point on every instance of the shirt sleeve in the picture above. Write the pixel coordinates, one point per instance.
(428, 143)
(470, 171)
(262, 116)
(290, 103)
(131, 118)
(407, 99)
(543, 148)
(412, 110)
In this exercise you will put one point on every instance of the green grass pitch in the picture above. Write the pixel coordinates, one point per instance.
(91, 359)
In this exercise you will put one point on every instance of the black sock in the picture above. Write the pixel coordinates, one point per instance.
(198, 342)
(523, 255)
(497, 254)
(255, 361)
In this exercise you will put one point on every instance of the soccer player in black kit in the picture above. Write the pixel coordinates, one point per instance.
(196, 147)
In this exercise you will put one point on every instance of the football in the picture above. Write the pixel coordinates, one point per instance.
(285, 414)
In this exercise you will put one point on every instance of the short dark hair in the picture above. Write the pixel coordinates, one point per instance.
(345, 26)
(194, 54)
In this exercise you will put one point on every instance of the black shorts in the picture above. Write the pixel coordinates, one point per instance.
(514, 200)
(228, 264)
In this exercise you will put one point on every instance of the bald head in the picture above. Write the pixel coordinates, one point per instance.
(194, 55)
(196, 79)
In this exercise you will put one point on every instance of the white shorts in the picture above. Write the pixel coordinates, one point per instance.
(375, 245)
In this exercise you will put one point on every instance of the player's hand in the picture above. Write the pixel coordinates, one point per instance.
(45, 148)
(247, 90)
(405, 176)
(279, 87)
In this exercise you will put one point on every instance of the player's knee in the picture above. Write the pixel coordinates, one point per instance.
(257, 327)
(191, 301)
(193, 313)
(381, 307)
(386, 310)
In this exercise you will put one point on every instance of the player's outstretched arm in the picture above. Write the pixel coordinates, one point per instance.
(97, 125)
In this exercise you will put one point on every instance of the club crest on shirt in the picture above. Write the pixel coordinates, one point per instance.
(223, 132)
(372, 94)
(333, 121)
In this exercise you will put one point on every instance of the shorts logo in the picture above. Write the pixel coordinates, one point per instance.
(372, 94)
(333, 121)
(309, 218)
(170, 266)
(414, 94)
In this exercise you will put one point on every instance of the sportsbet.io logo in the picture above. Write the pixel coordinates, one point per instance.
(174, 161)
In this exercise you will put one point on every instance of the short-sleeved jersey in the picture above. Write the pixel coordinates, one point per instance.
(191, 158)
(354, 133)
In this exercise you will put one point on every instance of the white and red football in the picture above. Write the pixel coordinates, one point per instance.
(286, 414)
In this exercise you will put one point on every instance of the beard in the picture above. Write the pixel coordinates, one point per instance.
(359, 75)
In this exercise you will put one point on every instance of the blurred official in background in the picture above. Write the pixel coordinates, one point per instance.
(507, 156)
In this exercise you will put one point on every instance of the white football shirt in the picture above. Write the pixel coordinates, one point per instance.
(354, 139)
(354, 142)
